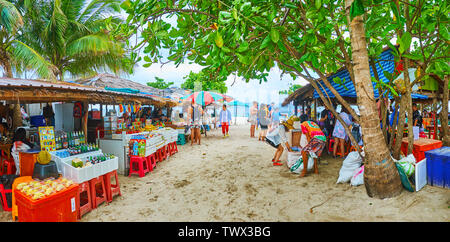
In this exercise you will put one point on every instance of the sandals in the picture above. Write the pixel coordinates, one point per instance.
(277, 164)
(273, 160)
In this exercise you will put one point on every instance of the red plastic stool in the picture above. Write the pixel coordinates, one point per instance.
(3, 200)
(8, 163)
(330, 146)
(168, 150)
(96, 196)
(151, 161)
(140, 162)
(173, 148)
(87, 207)
(112, 189)
(162, 154)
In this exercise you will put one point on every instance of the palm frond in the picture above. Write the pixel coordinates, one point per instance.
(30, 58)
(94, 44)
(10, 17)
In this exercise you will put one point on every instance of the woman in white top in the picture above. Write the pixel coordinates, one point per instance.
(278, 139)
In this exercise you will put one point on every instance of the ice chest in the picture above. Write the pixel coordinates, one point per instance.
(438, 167)
(59, 207)
(420, 146)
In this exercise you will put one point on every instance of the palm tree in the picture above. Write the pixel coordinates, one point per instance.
(70, 37)
(381, 178)
(10, 21)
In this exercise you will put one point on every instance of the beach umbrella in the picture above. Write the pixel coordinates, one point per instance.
(203, 98)
(236, 103)
(226, 98)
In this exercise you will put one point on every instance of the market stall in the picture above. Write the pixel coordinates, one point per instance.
(62, 169)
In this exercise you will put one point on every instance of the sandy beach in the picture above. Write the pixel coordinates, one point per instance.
(232, 179)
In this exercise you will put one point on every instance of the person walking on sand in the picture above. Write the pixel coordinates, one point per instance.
(225, 118)
(264, 121)
(194, 120)
(253, 119)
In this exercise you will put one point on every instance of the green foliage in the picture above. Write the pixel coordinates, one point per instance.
(206, 80)
(250, 37)
(160, 83)
(291, 89)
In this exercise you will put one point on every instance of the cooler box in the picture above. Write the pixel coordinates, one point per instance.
(37, 120)
(420, 146)
(59, 207)
(438, 167)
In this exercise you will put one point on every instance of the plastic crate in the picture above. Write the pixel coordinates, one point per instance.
(60, 160)
(59, 207)
(438, 167)
(79, 175)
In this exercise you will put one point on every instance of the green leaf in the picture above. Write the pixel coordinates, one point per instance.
(405, 42)
(274, 35)
(242, 47)
(218, 40)
(412, 56)
(356, 9)
(265, 42)
(318, 3)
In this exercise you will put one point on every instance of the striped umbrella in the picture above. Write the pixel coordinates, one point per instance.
(203, 98)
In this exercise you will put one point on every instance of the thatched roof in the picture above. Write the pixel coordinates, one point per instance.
(303, 93)
(36, 91)
(106, 80)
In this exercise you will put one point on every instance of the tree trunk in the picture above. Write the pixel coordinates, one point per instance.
(400, 128)
(409, 106)
(381, 177)
(444, 120)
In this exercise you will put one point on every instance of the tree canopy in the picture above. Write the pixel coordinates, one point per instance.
(160, 83)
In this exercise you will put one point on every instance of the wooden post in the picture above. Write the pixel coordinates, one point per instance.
(84, 119)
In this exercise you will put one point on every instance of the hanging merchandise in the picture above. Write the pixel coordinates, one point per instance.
(121, 108)
(78, 110)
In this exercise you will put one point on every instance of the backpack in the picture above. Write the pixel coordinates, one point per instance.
(78, 110)
(355, 132)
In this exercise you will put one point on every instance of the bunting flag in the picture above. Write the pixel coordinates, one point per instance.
(121, 108)
(128, 108)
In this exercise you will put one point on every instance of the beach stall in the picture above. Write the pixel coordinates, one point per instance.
(58, 178)
(134, 130)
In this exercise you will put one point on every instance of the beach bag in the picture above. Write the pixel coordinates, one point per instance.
(358, 177)
(351, 163)
(298, 165)
(407, 164)
(293, 157)
(404, 178)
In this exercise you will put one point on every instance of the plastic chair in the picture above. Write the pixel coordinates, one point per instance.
(3, 200)
(140, 162)
(8, 163)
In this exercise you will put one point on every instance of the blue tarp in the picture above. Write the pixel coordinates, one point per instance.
(349, 89)
(126, 90)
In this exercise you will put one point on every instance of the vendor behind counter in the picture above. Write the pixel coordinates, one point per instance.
(20, 144)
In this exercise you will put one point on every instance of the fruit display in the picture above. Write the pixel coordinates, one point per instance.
(40, 189)
(44, 157)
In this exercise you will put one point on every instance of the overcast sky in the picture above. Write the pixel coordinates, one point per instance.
(266, 92)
